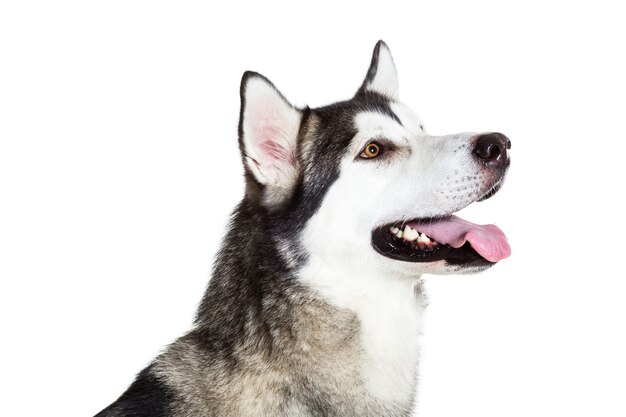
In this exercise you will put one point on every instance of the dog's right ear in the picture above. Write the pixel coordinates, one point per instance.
(268, 133)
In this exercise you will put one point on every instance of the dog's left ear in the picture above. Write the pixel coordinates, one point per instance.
(382, 77)
(268, 134)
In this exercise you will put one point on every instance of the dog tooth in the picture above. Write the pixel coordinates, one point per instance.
(394, 230)
(410, 234)
(423, 238)
(413, 235)
(399, 233)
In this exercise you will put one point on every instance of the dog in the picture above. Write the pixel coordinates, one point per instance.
(315, 304)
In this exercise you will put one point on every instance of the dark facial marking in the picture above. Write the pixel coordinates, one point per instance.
(334, 131)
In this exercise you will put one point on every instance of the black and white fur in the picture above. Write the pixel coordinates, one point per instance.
(301, 316)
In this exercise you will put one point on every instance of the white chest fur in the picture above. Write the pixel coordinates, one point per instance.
(391, 323)
(390, 314)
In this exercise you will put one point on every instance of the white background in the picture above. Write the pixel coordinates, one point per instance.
(119, 167)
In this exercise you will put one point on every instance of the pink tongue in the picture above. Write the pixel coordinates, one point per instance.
(489, 241)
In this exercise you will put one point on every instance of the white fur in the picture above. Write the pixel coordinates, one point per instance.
(409, 119)
(427, 176)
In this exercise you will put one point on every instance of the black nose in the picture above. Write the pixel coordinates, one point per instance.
(490, 149)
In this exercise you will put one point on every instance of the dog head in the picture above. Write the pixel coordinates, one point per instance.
(360, 183)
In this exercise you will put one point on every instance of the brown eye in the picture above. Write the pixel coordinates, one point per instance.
(372, 150)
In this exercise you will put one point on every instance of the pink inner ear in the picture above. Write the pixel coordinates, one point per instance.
(271, 147)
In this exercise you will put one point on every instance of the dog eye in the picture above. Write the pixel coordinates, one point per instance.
(371, 150)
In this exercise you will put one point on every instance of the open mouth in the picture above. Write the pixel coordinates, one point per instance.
(450, 238)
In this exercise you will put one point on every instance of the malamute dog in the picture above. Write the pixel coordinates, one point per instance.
(315, 304)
